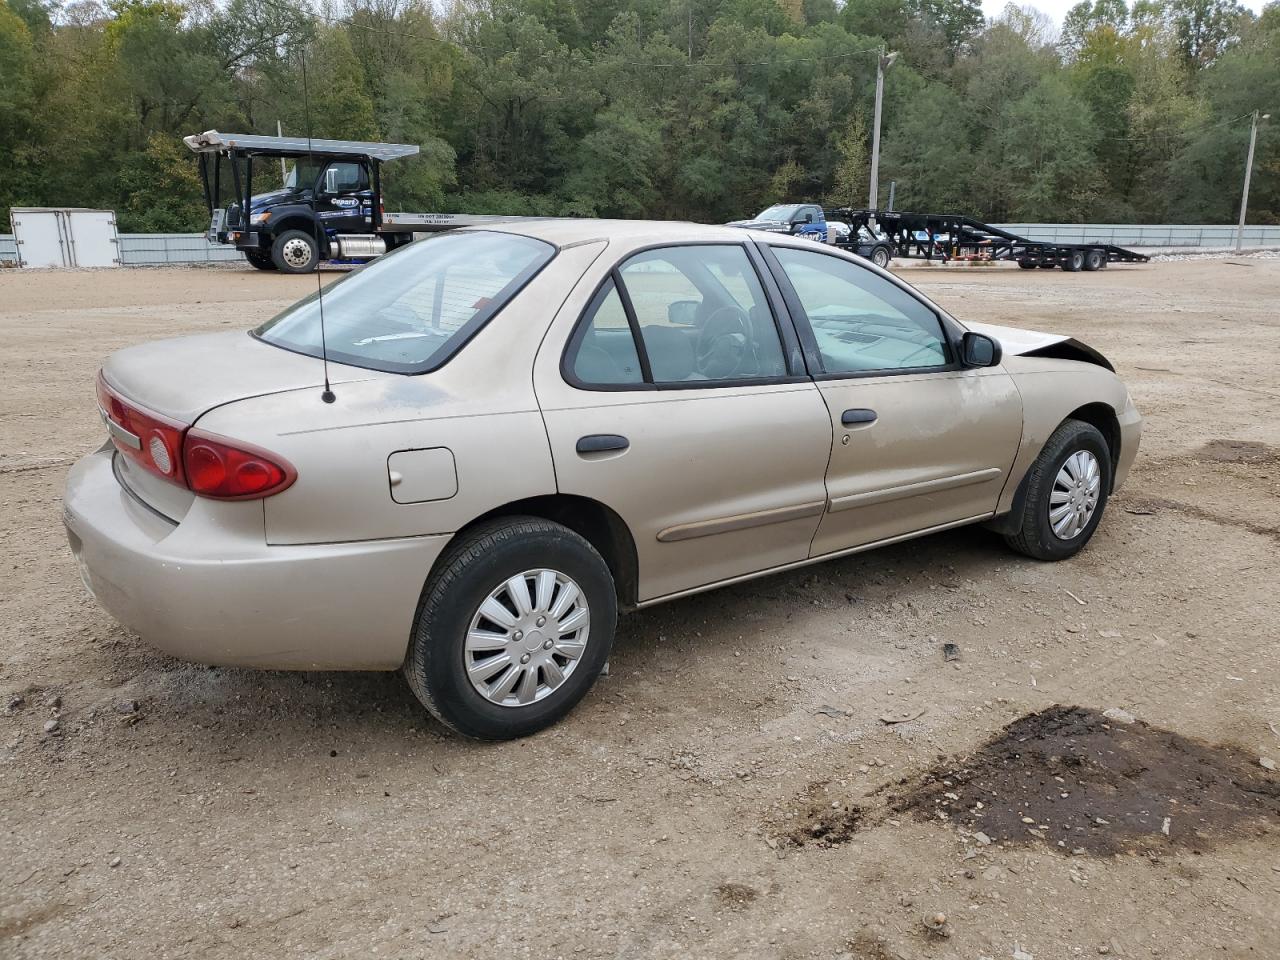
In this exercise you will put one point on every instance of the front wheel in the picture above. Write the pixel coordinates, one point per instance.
(295, 252)
(1066, 493)
(513, 628)
(261, 261)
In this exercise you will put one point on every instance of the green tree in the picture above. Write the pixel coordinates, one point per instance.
(17, 111)
(852, 175)
(161, 189)
(340, 107)
(1205, 28)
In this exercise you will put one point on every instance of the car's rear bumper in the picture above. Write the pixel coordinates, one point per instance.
(210, 589)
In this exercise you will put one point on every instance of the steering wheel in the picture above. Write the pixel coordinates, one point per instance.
(724, 342)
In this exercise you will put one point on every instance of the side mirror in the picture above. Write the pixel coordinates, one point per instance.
(683, 313)
(979, 350)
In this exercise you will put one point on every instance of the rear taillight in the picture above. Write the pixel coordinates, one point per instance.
(229, 470)
(207, 464)
(150, 440)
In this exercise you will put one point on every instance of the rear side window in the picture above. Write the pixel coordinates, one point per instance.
(606, 353)
(701, 315)
(409, 311)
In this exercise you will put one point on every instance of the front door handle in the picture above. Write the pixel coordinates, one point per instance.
(856, 416)
(602, 443)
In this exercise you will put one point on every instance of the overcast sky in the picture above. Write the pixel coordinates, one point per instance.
(1058, 8)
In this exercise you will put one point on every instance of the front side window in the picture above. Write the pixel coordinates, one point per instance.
(345, 176)
(862, 322)
(410, 310)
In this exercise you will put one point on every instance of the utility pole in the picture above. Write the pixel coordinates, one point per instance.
(883, 63)
(1248, 175)
(284, 172)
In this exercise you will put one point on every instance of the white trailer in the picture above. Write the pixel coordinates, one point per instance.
(65, 237)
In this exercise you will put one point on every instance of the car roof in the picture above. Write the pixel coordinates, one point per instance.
(563, 231)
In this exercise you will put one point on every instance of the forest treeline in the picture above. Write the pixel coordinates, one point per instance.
(687, 109)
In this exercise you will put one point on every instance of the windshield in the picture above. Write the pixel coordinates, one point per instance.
(410, 310)
(781, 212)
(304, 171)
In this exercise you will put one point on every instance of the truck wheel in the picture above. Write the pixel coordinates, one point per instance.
(880, 257)
(1095, 260)
(295, 252)
(1047, 265)
(1074, 262)
(1027, 264)
(260, 260)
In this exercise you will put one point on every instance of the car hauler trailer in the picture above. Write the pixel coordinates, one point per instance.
(329, 206)
(934, 236)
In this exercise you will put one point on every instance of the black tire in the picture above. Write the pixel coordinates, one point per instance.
(1035, 537)
(1027, 264)
(473, 566)
(1095, 260)
(1047, 266)
(284, 252)
(880, 257)
(261, 261)
(1074, 262)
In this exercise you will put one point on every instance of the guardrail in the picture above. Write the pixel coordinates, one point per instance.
(139, 249)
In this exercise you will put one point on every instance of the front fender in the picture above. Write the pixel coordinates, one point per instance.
(1052, 390)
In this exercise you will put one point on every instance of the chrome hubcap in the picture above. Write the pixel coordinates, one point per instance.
(296, 252)
(527, 638)
(1074, 497)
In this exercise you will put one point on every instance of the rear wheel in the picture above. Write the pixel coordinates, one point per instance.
(1074, 261)
(1066, 493)
(513, 628)
(1027, 264)
(295, 252)
(1049, 265)
(880, 257)
(260, 260)
(1095, 260)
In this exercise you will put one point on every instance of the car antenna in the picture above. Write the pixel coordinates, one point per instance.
(328, 395)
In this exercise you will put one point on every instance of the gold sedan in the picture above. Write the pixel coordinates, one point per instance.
(471, 454)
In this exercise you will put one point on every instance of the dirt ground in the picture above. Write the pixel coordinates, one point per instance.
(181, 811)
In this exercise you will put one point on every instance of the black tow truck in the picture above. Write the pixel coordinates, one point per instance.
(328, 205)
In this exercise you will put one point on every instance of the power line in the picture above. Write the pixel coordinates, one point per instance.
(1181, 133)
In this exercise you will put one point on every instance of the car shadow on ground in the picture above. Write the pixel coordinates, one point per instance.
(288, 713)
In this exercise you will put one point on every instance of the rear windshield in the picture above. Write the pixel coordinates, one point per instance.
(409, 311)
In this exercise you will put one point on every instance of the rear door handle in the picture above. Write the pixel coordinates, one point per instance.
(602, 443)
(857, 415)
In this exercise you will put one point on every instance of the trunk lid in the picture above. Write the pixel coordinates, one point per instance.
(185, 377)
(180, 380)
